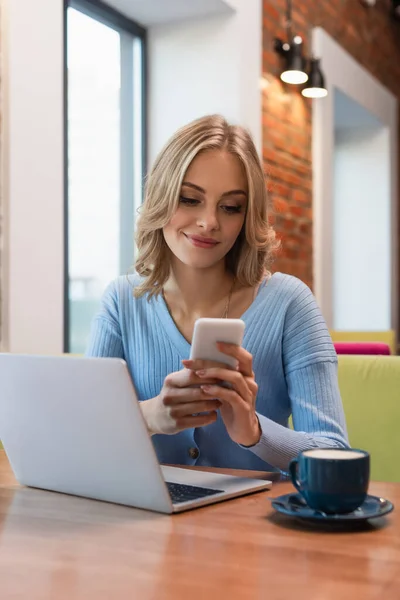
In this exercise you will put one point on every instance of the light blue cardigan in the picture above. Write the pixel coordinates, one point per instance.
(295, 366)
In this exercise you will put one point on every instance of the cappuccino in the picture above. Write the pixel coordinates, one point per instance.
(334, 454)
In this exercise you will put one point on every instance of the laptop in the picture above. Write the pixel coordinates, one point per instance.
(74, 425)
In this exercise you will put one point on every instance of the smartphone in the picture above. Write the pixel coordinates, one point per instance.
(206, 334)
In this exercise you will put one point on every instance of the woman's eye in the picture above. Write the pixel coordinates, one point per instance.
(188, 201)
(232, 209)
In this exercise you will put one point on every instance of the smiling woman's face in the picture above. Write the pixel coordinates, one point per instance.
(211, 211)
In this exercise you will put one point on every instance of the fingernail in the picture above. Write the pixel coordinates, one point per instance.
(187, 362)
(206, 388)
(201, 373)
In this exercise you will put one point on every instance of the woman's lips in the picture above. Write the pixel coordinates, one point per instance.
(201, 242)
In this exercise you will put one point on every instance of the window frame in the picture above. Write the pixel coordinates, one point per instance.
(110, 17)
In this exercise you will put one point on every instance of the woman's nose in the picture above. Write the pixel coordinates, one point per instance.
(208, 220)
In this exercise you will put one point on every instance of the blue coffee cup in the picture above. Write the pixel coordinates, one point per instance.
(332, 480)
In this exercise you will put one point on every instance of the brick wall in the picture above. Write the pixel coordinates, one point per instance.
(373, 39)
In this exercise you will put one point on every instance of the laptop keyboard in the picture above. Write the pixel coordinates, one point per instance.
(180, 492)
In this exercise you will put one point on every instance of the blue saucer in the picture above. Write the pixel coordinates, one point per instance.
(294, 505)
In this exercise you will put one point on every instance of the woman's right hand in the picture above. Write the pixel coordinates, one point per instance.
(177, 406)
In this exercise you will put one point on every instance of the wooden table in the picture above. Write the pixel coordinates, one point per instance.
(58, 547)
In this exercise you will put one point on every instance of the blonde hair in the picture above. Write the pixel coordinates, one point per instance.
(256, 244)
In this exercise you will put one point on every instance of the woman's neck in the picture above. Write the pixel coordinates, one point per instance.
(198, 292)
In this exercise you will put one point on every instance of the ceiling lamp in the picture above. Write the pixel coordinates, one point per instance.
(298, 70)
(294, 71)
(315, 87)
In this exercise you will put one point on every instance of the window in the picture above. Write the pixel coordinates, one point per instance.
(105, 116)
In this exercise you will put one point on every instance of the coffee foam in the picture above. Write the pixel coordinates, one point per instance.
(334, 454)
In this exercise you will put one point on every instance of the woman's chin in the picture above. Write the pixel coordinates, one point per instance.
(198, 262)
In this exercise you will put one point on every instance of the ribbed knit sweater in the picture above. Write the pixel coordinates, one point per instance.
(294, 361)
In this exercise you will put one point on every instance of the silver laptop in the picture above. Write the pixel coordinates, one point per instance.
(74, 425)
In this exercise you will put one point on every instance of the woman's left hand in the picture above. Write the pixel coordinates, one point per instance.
(238, 402)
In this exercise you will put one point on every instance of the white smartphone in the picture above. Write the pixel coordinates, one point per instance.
(206, 334)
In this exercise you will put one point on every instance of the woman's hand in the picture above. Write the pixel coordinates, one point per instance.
(238, 401)
(177, 406)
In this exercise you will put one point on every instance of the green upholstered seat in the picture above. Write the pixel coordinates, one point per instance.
(370, 389)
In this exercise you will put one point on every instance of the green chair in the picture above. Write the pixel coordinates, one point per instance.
(370, 389)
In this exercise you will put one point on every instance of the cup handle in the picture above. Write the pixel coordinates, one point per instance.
(293, 473)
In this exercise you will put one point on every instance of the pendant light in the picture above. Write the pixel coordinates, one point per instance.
(295, 68)
(298, 70)
(315, 87)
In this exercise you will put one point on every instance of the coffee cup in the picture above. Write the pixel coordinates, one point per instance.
(332, 480)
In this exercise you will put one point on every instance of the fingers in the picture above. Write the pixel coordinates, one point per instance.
(244, 358)
(174, 396)
(197, 421)
(226, 395)
(182, 379)
(189, 409)
(236, 379)
(253, 386)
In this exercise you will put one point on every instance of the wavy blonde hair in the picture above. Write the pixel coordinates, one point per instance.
(250, 256)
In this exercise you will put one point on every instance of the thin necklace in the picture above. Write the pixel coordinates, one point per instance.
(228, 302)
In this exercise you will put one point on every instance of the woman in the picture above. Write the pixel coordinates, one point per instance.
(204, 248)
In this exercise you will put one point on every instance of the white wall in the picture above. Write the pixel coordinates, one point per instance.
(212, 65)
(344, 73)
(361, 221)
(216, 67)
(32, 88)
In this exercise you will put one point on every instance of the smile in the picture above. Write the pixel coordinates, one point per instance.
(201, 242)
